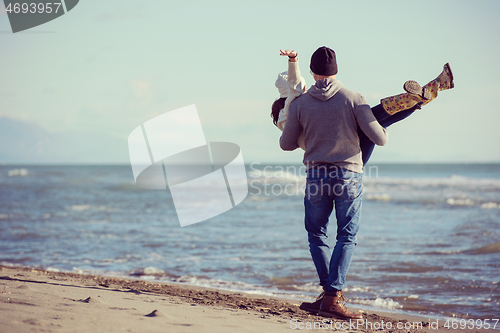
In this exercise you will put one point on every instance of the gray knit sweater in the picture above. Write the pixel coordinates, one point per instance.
(329, 115)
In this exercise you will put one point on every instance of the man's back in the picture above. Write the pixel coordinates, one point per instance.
(329, 115)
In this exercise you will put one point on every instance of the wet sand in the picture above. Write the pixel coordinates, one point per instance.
(33, 300)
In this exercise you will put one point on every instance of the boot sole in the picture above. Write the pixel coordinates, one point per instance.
(315, 311)
(447, 65)
(331, 315)
(412, 87)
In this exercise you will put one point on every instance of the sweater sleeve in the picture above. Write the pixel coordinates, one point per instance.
(369, 124)
(295, 85)
(291, 132)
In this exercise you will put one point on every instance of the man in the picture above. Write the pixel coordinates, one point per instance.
(329, 116)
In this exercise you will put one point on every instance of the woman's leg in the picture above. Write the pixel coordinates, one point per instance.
(396, 108)
(444, 81)
(385, 120)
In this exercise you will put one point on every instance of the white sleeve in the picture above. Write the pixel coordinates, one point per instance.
(295, 89)
(295, 86)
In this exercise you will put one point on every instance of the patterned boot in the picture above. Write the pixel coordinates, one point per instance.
(394, 104)
(416, 94)
(443, 82)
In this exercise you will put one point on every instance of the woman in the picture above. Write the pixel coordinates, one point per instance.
(391, 109)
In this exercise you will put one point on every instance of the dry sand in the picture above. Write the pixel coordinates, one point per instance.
(33, 300)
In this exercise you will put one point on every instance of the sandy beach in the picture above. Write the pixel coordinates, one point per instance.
(33, 300)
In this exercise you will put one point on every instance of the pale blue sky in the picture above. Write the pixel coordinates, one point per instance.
(108, 66)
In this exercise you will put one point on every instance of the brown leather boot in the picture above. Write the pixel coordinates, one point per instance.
(334, 306)
(314, 306)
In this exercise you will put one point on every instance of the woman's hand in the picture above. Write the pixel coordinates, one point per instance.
(290, 53)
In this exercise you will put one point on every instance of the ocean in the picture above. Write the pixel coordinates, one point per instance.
(429, 241)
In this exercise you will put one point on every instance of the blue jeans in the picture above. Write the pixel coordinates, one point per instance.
(330, 187)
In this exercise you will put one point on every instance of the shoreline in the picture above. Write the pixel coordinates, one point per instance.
(38, 300)
(250, 294)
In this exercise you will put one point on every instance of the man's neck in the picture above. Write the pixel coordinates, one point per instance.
(322, 77)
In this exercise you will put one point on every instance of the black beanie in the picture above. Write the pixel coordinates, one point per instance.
(324, 62)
